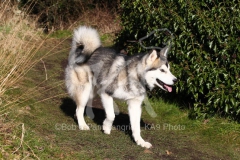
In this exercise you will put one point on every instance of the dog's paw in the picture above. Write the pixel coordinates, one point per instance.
(84, 127)
(146, 145)
(106, 129)
(143, 143)
(107, 126)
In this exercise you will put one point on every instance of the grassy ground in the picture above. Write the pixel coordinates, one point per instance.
(45, 128)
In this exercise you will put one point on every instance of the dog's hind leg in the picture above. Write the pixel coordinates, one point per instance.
(135, 111)
(89, 110)
(107, 102)
(81, 98)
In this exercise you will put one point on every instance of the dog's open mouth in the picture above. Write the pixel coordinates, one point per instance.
(164, 86)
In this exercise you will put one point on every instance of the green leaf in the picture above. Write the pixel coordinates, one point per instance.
(226, 108)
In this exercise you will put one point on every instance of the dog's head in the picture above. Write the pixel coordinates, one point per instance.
(158, 70)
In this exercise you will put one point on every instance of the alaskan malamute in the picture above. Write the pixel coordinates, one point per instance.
(115, 75)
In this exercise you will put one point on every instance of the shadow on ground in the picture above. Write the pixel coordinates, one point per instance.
(97, 114)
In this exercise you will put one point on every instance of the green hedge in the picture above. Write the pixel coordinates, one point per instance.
(205, 55)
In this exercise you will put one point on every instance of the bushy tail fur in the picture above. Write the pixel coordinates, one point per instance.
(85, 41)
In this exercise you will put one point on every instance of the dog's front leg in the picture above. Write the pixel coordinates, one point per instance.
(107, 102)
(135, 111)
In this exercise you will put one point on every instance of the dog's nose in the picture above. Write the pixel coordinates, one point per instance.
(175, 80)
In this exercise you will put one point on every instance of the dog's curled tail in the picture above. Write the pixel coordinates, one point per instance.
(85, 41)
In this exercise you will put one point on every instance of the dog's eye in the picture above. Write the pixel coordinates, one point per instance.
(162, 70)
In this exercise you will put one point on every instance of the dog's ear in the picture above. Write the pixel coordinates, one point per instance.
(164, 51)
(152, 57)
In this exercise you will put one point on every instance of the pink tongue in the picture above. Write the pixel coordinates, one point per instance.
(169, 88)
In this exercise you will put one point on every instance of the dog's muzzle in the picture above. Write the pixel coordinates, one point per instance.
(166, 86)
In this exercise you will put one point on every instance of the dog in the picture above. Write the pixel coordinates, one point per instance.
(115, 75)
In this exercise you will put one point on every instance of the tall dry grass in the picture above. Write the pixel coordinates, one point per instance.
(20, 42)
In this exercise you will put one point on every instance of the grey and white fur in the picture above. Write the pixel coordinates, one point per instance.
(114, 75)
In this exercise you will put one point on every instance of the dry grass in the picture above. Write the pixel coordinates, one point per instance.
(105, 20)
(19, 43)
(22, 46)
(101, 15)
